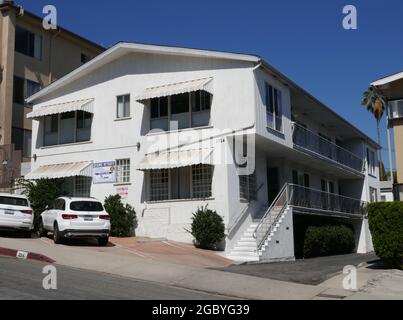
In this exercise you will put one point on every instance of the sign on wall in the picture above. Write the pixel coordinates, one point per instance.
(104, 172)
(123, 192)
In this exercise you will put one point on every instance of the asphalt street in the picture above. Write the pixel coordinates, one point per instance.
(21, 279)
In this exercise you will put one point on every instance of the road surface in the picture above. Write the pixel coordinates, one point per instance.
(20, 279)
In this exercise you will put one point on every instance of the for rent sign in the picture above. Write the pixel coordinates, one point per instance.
(104, 172)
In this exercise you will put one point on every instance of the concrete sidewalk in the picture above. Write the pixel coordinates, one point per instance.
(143, 268)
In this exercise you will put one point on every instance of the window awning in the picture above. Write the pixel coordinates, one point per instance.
(176, 159)
(64, 170)
(86, 105)
(205, 84)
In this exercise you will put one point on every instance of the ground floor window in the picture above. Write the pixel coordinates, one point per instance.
(247, 187)
(181, 183)
(77, 186)
(123, 171)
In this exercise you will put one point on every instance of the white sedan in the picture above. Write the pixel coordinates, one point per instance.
(71, 218)
(16, 213)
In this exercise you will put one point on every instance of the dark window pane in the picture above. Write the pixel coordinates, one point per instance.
(180, 103)
(21, 41)
(11, 201)
(295, 177)
(88, 206)
(17, 138)
(154, 108)
(67, 115)
(18, 94)
(196, 102)
(164, 107)
(32, 88)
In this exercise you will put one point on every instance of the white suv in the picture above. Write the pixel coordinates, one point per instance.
(76, 218)
(16, 213)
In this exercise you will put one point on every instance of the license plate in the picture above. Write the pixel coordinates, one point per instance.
(88, 219)
(9, 212)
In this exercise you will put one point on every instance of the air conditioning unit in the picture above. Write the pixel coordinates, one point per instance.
(395, 109)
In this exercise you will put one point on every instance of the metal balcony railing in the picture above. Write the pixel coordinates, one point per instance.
(308, 199)
(313, 142)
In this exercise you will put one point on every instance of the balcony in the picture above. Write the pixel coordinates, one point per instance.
(313, 143)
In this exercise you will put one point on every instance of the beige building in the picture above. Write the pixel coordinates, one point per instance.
(392, 88)
(30, 59)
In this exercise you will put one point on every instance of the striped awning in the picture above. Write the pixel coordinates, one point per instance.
(86, 105)
(205, 84)
(176, 159)
(63, 170)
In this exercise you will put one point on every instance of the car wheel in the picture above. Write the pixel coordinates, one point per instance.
(57, 238)
(42, 232)
(103, 242)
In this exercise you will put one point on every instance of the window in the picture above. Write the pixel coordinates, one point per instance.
(247, 187)
(159, 180)
(82, 186)
(69, 127)
(86, 206)
(21, 139)
(28, 43)
(32, 88)
(123, 171)
(12, 201)
(300, 179)
(373, 194)
(123, 107)
(181, 183)
(24, 89)
(185, 110)
(202, 177)
(274, 108)
(371, 162)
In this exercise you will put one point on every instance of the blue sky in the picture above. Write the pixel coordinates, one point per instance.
(303, 39)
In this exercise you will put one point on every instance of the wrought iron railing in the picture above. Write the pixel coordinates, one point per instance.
(314, 142)
(308, 198)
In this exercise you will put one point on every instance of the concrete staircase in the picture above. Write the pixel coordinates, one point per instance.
(245, 249)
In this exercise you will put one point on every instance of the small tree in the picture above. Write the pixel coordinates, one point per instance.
(123, 217)
(208, 228)
(41, 193)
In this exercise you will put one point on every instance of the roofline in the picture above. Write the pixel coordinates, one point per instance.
(271, 69)
(388, 79)
(64, 30)
(144, 48)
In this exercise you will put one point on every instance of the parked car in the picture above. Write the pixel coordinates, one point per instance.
(16, 213)
(70, 218)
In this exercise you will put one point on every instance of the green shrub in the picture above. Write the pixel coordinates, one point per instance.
(208, 228)
(328, 240)
(41, 193)
(123, 217)
(386, 225)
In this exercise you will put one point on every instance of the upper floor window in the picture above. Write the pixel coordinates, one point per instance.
(28, 43)
(247, 187)
(373, 194)
(65, 128)
(123, 107)
(274, 108)
(23, 89)
(371, 162)
(22, 139)
(188, 110)
(123, 171)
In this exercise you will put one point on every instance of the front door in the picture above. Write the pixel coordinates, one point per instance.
(273, 184)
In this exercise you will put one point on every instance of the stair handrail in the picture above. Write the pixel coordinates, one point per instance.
(283, 190)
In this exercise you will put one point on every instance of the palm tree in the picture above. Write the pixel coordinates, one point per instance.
(375, 103)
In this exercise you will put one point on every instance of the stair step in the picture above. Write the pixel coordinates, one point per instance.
(243, 253)
(245, 249)
(243, 259)
(247, 241)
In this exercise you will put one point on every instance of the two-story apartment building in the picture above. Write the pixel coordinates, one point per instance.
(174, 129)
(392, 88)
(30, 59)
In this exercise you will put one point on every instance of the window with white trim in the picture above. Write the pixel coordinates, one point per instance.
(82, 186)
(371, 162)
(274, 108)
(123, 107)
(247, 187)
(181, 183)
(123, 171)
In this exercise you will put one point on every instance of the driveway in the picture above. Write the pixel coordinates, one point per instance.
(309, 271)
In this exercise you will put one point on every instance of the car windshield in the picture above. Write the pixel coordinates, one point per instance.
(90, 206)
(11, 201)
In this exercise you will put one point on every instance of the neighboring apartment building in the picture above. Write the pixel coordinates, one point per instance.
(30, 59)
(171, 129)
(392, 88)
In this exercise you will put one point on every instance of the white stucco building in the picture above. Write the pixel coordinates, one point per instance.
(186, 128)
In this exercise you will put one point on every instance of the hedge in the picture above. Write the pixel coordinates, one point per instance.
(386, 225)
(328, 240)
(123, 217)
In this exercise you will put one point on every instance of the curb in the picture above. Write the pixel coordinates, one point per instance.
(25, 255)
